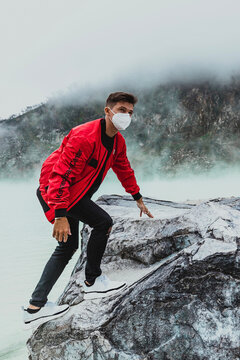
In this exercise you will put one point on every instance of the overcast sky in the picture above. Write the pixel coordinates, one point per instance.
(53, 46)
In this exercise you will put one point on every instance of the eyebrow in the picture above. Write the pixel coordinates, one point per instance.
(123, 107)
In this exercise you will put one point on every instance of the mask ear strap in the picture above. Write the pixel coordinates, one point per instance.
(111, 110)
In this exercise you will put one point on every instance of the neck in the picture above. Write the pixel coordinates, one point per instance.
(110, 128)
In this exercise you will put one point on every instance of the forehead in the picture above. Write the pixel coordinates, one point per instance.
(125, 104)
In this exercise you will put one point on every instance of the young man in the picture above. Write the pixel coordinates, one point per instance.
(69, 177)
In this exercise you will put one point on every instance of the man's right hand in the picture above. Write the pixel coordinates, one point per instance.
(61, 229)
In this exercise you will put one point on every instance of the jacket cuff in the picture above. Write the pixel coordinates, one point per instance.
(60, 212)
(137, 196)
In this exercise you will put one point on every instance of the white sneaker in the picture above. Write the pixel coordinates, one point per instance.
(48, 312)
(102, 287)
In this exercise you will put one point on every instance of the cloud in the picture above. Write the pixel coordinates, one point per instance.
(51, 47)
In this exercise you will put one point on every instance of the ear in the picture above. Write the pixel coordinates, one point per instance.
(106, 110)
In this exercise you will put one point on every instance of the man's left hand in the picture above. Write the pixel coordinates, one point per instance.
(143, 208)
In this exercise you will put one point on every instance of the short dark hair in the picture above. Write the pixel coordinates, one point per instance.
(115, 97)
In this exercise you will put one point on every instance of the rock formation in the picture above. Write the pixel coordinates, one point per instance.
(182, 301)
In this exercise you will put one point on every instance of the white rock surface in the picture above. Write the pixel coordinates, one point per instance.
(183, 296)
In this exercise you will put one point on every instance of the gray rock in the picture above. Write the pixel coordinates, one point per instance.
(182, 301)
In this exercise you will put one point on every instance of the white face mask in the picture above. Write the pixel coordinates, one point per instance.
(121, 121)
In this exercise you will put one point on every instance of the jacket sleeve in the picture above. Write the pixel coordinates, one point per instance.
(70, 163)
(125, 173)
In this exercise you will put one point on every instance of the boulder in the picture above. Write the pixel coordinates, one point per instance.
(182, 302)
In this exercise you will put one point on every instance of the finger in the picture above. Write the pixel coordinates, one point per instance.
(148, 213)
(140, 212)
(65, 237)
(69, 232)
(54, 232)
(59, 237)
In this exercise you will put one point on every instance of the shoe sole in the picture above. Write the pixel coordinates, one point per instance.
(35, 323)
(100, 294)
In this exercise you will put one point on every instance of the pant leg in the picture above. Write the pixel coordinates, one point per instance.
(90, 213)
(56, 264)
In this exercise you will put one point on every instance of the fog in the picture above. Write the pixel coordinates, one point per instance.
(72, 51)
(53, 48)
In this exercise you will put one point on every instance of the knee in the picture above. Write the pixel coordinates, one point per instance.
(110, 222)
(106, 223)
(109, 230)
(109, 225)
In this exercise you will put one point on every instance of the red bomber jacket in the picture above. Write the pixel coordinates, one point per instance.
(66, 174)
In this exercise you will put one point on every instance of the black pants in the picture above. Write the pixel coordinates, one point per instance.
(88, 212)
